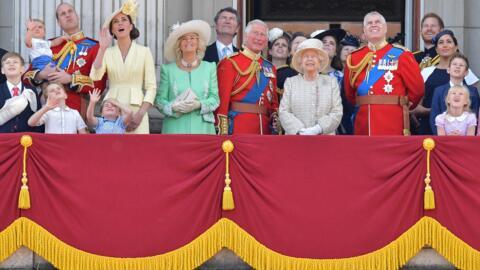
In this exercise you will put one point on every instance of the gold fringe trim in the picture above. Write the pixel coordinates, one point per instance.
(226, 233)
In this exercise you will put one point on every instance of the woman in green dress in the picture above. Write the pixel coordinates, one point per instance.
(188, 93)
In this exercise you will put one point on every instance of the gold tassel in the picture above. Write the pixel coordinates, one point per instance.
(227, 200)
(24, 197)
(429, 196)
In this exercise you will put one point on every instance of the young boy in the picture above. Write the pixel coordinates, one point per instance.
(115, 116)
(39, 48)
(458, 70)
(17, 102)
(58, 117)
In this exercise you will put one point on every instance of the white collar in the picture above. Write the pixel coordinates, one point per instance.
(459, 118)
(220, 46)
(452, 85)
(64, 108)
(11, 86)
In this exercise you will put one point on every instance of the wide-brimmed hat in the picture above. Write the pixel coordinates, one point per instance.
(337, 33)
(129, 8)
(314, 45)
(201, 28)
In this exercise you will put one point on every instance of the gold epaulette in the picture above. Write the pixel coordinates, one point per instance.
(400, 47)
(416, 52)
(428, 62)
(435, 60)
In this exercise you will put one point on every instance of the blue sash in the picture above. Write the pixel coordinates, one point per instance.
(375, 74)
(253, 94)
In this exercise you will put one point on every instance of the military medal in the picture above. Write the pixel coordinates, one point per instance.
(81, 62)
(388, 88)
(269, 96)
(83, 52)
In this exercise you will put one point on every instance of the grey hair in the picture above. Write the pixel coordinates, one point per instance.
(256, 21)
(371, 14)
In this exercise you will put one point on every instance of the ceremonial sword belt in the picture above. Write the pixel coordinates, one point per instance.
(389, 100)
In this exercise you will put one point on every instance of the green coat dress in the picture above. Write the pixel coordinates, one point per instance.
(173, 82)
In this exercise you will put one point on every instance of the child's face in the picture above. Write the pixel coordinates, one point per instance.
(457, 98)
(38, 30)
(458, 68)
(12, 67)
(55, 90)
(110, 110)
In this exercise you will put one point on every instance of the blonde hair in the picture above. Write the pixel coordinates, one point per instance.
(201, 47)
(466, 107)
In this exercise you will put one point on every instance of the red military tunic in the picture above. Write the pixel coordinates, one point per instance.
(236, 77)
(76, 57)
(382, 119)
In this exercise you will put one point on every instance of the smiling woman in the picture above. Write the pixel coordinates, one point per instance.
(188, 86)
(311, 104)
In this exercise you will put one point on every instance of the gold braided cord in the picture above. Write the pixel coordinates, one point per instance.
(357, 69)
(253, 69)
(67, 49)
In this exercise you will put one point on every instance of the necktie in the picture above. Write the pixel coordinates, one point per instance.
(15, 91)
(225, 52)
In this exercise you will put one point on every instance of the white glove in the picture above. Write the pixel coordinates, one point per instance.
(186, 106)
(315, 130)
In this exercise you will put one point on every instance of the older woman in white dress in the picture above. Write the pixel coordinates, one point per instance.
(311, 104)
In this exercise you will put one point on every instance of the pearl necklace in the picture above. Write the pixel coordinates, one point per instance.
(188, 65)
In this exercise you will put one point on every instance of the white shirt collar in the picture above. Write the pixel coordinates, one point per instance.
(11, 86)
(220, 47)
(452, 85)
(65, 108)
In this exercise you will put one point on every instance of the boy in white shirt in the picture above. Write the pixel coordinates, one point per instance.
(39, 49)
(58, 117)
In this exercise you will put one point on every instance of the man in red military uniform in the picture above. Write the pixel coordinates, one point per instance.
(73, 60)
(247, 87)
(384, 81)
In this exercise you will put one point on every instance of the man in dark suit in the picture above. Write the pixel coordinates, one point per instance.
(227, 22)
(2, 77)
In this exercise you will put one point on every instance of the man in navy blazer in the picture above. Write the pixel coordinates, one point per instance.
(227, 22)
(17, 101)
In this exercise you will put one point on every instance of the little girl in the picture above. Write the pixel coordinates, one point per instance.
(115, 115)
(457, 120)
